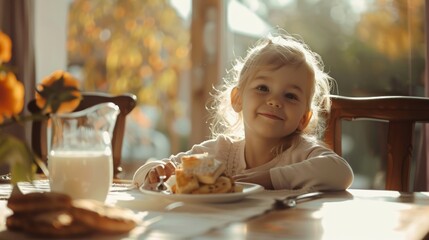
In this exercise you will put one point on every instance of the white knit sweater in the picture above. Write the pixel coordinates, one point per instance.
(306, 166)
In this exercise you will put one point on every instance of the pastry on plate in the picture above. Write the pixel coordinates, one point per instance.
(201, 174)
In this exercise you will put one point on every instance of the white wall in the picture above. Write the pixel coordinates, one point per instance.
(50, 36)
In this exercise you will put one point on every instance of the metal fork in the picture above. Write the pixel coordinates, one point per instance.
(290, 202)
(161, 186)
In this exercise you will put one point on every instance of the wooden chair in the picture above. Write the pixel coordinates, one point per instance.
(125, 102)
(399, 111)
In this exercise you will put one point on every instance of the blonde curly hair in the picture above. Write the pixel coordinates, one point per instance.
(272, 52)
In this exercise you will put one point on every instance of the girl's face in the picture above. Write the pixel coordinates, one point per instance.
(275, 103)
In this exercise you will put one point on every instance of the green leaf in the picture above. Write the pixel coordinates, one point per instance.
(19, 157)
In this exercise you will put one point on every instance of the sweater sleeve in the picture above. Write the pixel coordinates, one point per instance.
(140, 175)
(320, 170)
(210, 146)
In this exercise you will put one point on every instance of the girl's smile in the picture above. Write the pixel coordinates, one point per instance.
(271, 116)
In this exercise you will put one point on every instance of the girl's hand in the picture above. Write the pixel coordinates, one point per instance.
(167, 170)
(261, 177)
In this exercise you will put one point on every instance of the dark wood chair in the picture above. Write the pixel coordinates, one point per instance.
(401, 113)
(125, 102)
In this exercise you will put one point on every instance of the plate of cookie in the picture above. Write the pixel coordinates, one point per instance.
(57, 215)
(247, 189)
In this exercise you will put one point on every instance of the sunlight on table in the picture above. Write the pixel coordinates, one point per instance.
(359, 214)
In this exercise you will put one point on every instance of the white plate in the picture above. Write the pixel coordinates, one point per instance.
(248, 189)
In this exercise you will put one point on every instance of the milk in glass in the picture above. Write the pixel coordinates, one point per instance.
(81, 174)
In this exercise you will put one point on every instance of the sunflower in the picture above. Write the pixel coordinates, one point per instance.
(5, 47)
(58, 93)
(11, 96)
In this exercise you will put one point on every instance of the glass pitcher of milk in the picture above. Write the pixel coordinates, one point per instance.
(80, 158)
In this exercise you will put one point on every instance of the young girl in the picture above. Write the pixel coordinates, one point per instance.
(267, 119)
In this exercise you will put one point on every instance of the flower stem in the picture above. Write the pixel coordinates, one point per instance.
(21, 119)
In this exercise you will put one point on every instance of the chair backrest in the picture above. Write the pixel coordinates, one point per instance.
(125, 102)
(400, 112)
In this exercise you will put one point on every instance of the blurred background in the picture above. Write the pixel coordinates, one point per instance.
(170, 53)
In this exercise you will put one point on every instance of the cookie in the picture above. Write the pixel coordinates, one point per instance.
(17, 222)
(53, 224)
(38, 202)
(103, 218)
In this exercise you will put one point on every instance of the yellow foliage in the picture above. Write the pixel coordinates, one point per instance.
(393, 27)
(147, 38)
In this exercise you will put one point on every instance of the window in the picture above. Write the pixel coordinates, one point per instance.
(141, 47)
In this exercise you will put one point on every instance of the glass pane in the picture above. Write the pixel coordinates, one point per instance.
(140, 47)
(369, 47)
